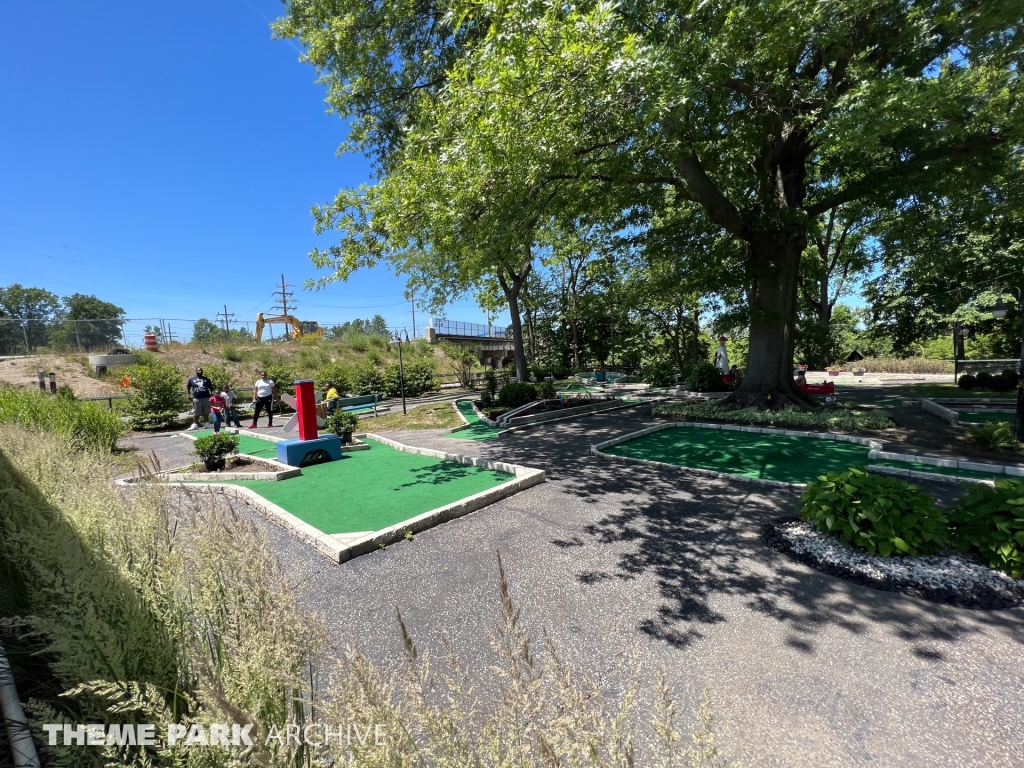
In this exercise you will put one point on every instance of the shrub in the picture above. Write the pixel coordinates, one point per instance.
(462, 360)
(990, 522)
(282, 376)
(984, 379)
(993, 435)
(220, 376)
(515, 395)
(377, 341)
(1003, 382)
(841, 418)
(967, 381)
(546, 390)
(357, 341)
(880, 514)
(490, 393)
(212, 449)
(231, 354)
(368, 379)
(335, 374)
(659, 373)
(903, 365)
(84, 425)
(342, 422)
(703, 377)
(157, 395)
(65, 392)
(419, 378)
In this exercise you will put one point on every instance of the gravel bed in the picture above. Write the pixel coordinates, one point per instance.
(952, 578)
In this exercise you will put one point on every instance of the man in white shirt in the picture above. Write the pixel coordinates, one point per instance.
(263, 393)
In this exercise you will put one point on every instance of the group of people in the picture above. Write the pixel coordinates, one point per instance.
(216, 405)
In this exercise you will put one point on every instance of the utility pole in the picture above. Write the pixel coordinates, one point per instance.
(170, 334)
(412, 301)
(283, 296)
(227, 321)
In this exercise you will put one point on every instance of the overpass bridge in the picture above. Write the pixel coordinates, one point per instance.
(490, 342)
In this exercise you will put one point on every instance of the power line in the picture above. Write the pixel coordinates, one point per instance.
(227, 321)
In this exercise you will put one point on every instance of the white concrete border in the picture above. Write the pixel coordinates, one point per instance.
(1012, 470)
(282, 472)
(341, 547)
(946, 414)
(611, 404)
(910, 474)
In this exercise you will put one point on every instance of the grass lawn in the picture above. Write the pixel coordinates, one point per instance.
(370, 490)
(429, 416)
(952, 390)
(477, 430)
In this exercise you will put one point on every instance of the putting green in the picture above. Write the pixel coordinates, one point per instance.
(981, 417)
(477, 429)
(370, 490)
(747, 454)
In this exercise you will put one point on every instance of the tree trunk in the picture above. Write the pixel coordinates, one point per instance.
(825, 321)
(959, 353)
(512, 286)
(768, 380)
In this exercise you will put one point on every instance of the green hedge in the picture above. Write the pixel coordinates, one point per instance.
(85, 425)
(990, 522)
(841, 418)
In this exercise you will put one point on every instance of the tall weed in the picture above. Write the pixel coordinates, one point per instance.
(84, 424)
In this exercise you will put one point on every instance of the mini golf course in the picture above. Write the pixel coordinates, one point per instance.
(983, 417)
(477, 429)
(785, 458)
(367, 490)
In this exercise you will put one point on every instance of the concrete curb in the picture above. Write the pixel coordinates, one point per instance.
(570, 413)
(1012, 470)
(340, 548)
(941, 411)
(909, 474)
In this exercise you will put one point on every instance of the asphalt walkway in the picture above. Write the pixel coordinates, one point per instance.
(635, 568)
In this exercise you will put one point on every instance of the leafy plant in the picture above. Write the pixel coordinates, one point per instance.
(990, 522)
(703, 377)
(546, 390)
(967, 381)
(368, 379)
(282, 376)
(880, 514)
(993, 435)
(659, 372)
(336, 374)
(517, 394)
(220, 376)
(342, 423)
(213, 449)
(230, 353)
(419, 378)
(157, 395)
(490, 392)
(462, 360)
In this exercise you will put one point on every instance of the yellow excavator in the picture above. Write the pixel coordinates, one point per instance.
(298, 327)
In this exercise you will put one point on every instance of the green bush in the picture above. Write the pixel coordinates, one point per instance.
(336, 374)
(515, 395)
(990, 522)
(213, 449)
(967, 381)
(219, 376)
(841, 418)
(993, 435)
(659, 373)
(282, 376)
(880, 514)
(703, 377)
(157, 395)
(84, 425)
(368, 379)
(984, 379)
(341, 422)
(231, 354)
(419, 378)
(546, 390)
(1004, 382)
(490, 393)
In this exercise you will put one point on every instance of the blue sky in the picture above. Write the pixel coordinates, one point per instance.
(164, 157)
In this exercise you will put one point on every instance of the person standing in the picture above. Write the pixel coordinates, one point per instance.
(230, 411)
(722, 356)
(332, 397)
(199, 388)
(263, 393)
(218, 407)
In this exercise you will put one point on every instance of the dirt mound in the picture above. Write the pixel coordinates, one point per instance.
(21, 373)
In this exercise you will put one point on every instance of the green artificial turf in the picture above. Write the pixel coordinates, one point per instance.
(981, 417)
(477, 429)
(371, 490)
(748, 454)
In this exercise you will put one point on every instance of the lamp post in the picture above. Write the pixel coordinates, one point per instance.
(396, 338)
(999, 312)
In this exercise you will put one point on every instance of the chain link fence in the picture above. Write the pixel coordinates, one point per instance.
(33, 337)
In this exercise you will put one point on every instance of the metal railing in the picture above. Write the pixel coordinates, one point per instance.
(468, 330)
